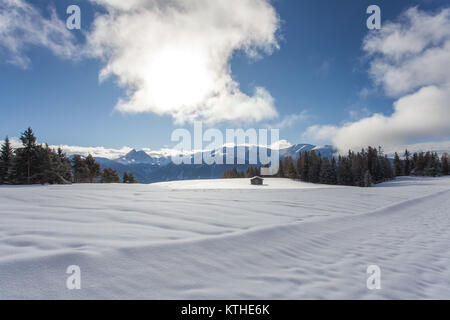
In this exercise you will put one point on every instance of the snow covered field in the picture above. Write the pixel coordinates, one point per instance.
(215, 239)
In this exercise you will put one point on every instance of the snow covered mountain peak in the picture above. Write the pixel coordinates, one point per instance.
(135, 157)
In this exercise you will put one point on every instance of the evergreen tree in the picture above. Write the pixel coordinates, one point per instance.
(303, 166)
(445, 164)
(44, 163)
(333, 173)
(80, 169)
(94, 168)
(407, 166)
(357, 169)
(289, 168)
(281, 173)
(314, 167)
(125, 178)
(327, 172)
(387, 169)
(433, 166)
(63, 167)
(26, 155)
(344, 172)
(367, 179)
(420, 163)
(110, 176)
(6, 159)
(398, 166)
(131, 178)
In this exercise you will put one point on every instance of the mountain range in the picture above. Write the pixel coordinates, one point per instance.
(158, 168)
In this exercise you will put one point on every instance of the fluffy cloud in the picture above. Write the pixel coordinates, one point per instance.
(84, 151)
(291, 119)
(410, 60)
(173, 57)
(22, 25)
(411, 53)
(418, 116)
(320, 134)
(281, 144)
(102, 152)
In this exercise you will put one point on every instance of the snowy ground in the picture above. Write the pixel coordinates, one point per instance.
(215, 239)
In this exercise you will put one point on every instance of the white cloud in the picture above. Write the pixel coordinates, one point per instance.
(320, 134)
(14, 141)
(411, 53)
(173, 57)
(22, 25)
(102, 152)
(410, 59)
(356, 113)
(421, 115)
(281, 144)
(291, 119)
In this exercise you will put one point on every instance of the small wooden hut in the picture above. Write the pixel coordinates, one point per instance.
(257, 181)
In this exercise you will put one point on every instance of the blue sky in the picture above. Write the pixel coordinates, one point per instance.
(319, 71)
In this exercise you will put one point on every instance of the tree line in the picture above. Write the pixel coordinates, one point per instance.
(234, 173)
(421, 164)
(363, 169)
(34, 163)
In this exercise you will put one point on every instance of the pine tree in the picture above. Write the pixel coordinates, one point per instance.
(29, 148)
(407, 167)
(344, 172)
(6, 159)
(419, 164)
(398, 166)
(80, 169)
(94, 168)
(289, 168)
(63, 167)
(433, 166)
(357, 169)
(387, 169)
(327, 172)
(314, 167)
(131, 178)
(44, 164)
(333, 172)
(445, 164)
(125, 178)
(110, 176)
(281, 170)
(367, 179)
(303, 167)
